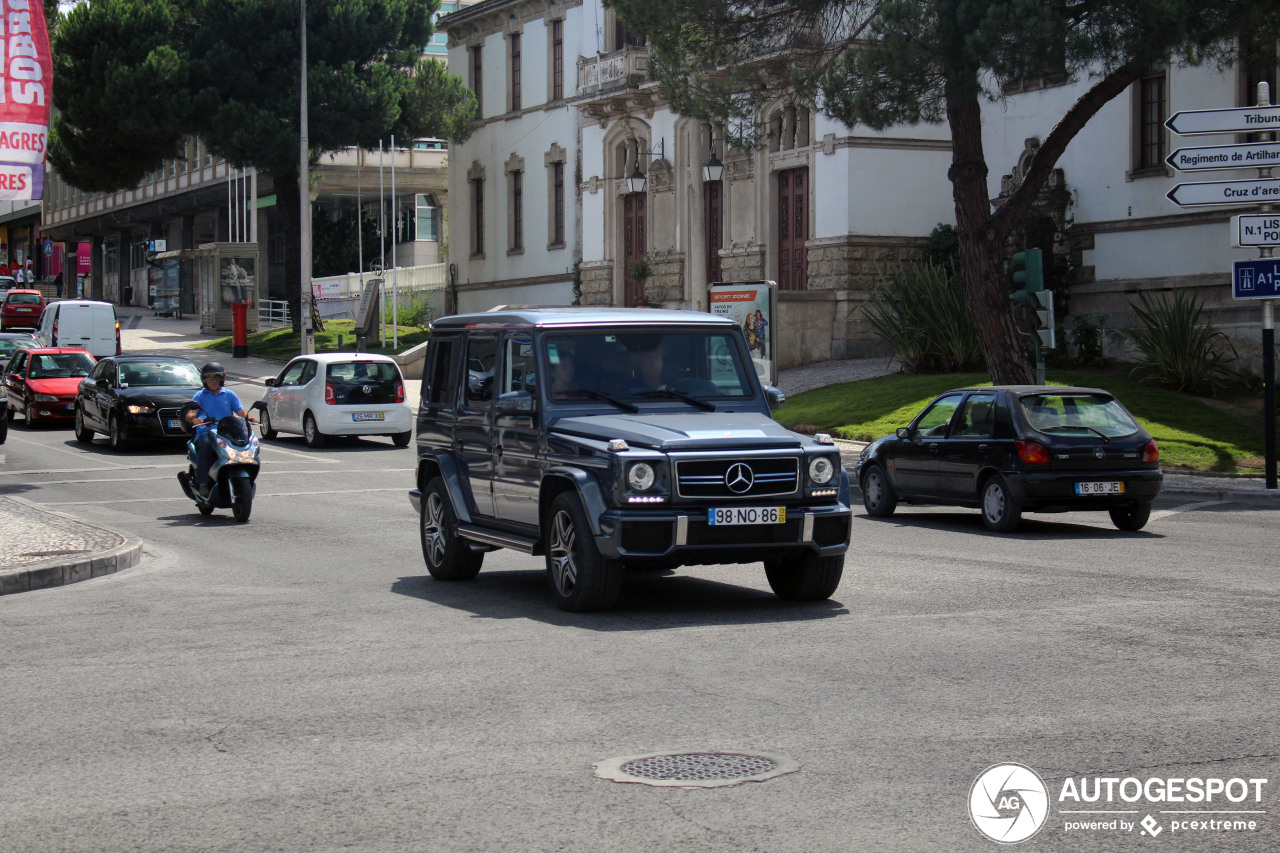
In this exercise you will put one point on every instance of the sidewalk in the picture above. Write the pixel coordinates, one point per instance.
(41, 548)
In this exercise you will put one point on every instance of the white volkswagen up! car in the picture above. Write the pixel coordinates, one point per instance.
(334, 394)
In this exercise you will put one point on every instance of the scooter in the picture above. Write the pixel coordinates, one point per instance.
(234, 470)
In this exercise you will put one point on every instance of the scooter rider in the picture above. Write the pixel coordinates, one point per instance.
(216, 402)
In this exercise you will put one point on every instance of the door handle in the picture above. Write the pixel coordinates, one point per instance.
(982, 446)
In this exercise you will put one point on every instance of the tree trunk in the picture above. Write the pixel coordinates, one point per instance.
(981, 245)
(287, 201)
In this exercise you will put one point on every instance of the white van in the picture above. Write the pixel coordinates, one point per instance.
(83, 323)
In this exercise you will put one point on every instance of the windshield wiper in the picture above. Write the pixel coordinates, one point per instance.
(598, 395)
(667, 393)
(1098, 433)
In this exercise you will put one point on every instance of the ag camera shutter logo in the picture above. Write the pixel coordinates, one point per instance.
(1008, 803)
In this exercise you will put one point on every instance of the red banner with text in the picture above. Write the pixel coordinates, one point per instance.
(26, 78)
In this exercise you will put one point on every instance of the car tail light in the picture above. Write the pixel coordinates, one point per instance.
(329, 396)
(118, 349)
(1151, 451)
(1033, 452)
(399, 391)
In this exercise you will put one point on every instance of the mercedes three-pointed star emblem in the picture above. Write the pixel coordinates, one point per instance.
(739, 478)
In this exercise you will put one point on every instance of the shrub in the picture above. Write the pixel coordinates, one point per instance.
(415, 309)
(1178, 351)
(921, 313)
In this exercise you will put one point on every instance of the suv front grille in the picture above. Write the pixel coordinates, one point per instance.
(712, 478)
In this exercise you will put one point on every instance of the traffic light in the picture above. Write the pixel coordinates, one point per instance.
(1028, 271)
(1044, 318)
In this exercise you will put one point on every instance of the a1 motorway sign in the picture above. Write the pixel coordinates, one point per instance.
(1256, 279)
(1209, 157)
(1256, 229)
(1237, 120)
(1250, 191)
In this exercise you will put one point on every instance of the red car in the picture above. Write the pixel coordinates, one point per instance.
(43, 382)
(21, 309)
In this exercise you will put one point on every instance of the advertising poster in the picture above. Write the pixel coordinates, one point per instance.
(26, 87)
(750, 304)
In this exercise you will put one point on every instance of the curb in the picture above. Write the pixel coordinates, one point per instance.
(66, 570)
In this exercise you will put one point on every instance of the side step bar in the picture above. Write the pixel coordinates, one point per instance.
(495, 537)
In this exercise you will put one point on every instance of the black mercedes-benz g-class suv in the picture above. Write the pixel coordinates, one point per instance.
(607, 438)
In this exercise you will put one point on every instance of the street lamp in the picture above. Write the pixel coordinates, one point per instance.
(636, 181)
(713, 169)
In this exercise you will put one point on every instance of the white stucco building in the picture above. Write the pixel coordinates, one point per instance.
(541, 202)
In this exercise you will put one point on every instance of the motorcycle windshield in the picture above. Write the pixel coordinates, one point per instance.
(234, 429)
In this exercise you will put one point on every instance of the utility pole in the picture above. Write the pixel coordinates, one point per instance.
(304, 192)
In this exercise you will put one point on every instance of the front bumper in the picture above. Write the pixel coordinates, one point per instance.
(62, 410)
(683, 536)
(1055, 490)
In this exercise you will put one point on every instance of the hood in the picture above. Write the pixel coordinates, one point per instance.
(683, 430)
(157, 397)
(65, 386)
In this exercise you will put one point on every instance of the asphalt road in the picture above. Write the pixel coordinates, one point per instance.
(299, 683)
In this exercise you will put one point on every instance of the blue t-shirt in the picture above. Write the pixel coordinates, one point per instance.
(216, 406)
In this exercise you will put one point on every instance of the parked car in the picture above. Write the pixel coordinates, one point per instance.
(604, 438)
(332, 394)
(1014, 449)
(84, 323)
(7, 282)
(21, 309)
(11, 342)
(41, 382)
(136, 397)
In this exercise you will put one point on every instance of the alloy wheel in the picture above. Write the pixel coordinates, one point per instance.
(564, 567)
(434, 531)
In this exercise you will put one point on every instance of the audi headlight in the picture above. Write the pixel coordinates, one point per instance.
(640, 476)
(46, 398)
(140, 410)
(821, 470)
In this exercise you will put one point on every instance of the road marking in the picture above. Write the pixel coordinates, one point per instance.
(171, 466)
(1165, 513)
(185, 499)
(78, 454)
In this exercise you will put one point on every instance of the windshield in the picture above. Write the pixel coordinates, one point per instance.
(8, 347)
(158, 374)
(1078, 414)
(645, 365)
(60, 365)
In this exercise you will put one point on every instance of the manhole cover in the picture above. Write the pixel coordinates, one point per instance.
(695, 769)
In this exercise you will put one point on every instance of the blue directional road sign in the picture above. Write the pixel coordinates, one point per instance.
(1256, 279)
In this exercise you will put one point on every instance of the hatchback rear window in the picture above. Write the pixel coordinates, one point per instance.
(23, 299)
(358, 382)
(1078, 414)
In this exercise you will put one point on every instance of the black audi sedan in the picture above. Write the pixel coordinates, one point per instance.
(1013, 449)
(132, 397)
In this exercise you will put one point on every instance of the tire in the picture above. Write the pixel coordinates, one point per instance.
(242, 498)
(1132, 518)
(4, 429)
(877, 495)
(29, 415)
(581, 578)
(447, 555)
(402, 439)
(12, 415)
(1000, 512)
(807, 577)
(84, 435)
(311, 431)
(267, 431)
(115, 435)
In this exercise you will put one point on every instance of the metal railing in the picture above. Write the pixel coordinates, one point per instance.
(425, 277)
(273, 313)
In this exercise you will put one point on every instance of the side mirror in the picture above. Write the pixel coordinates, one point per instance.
(104, 382)
(270, 382)
(774, 396)
(516, 403)
(904, 433)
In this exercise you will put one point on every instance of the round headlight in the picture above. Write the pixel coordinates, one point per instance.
(821, 470)
(640, 476)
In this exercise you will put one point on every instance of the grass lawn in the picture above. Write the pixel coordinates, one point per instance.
(1193, 432)
(284, 344)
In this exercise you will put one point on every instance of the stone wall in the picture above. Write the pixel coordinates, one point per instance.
(597, 283)
(666, 286)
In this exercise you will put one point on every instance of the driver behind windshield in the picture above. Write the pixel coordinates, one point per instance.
(213, 403)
